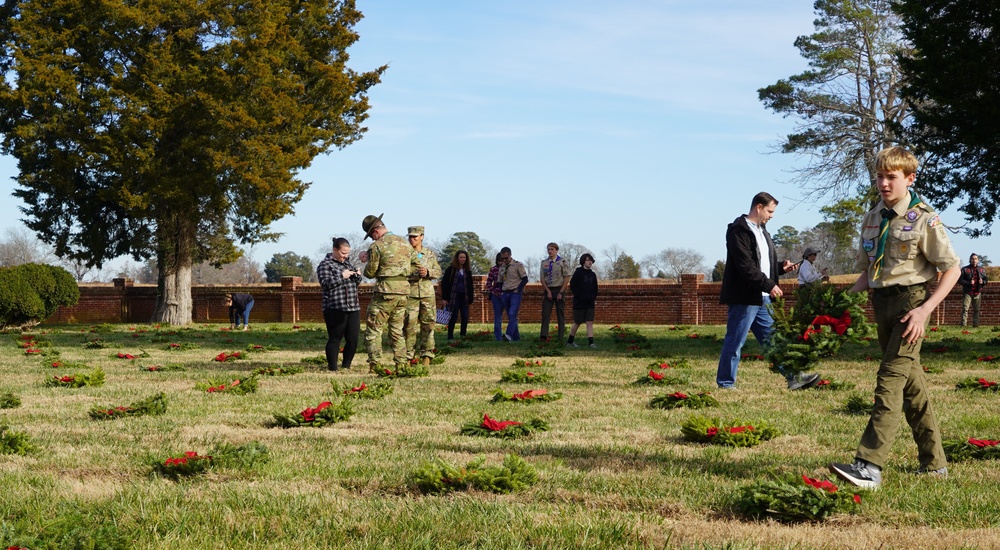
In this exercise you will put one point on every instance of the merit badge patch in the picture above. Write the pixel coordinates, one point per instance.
(912, 215)
(903, 248)
(907, 228)
(871, 259)
(868, 245)
(934, 220)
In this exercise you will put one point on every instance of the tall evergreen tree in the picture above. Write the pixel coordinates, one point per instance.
(954, 85)
(172, 128)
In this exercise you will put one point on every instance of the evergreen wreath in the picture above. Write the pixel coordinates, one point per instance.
(859, 404)
(9, 400)
(153, 405)
(973, 383)
(238, 386)
(162, 368)
(794, 501)
(324, 414)
(504, 429)
(678, 399)
(819, 324)
(78, 380)
(958, 450)
(524, 375)
(278, 370)
(681, 363)
(660, 379)
(440, 477)
(826, 384)
(14, 442)
(361, 390)
(529, 396)
(733, 433)
(403, 371)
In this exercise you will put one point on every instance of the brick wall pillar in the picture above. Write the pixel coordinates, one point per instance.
(289, 299)
(690, 302)
(122, 286)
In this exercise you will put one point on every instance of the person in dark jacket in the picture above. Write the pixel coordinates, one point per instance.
(583, 285)
(239, 304)
(456, 291)
(749, 283)
(972, 279)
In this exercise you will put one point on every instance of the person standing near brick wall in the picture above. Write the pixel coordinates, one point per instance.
(389, 262)
(239, 304)
(972, 279)
(339, 280)
(554, 274)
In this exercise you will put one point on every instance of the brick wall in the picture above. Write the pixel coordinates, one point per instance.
(691, 302)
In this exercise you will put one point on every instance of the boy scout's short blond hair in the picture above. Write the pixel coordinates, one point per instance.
(896, 158)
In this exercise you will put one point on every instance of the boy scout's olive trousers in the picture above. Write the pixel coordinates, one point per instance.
(901, 388)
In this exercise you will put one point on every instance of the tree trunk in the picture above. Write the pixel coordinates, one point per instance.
(174, 260)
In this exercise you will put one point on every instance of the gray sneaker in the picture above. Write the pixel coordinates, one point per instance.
(940, 472)
(860, 473)
(593, 346)
(802, 381)
(572, 345)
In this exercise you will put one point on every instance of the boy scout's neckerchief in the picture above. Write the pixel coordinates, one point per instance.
(548, 272)
(883, 232)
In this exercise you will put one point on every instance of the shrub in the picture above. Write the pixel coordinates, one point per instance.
(30, 293)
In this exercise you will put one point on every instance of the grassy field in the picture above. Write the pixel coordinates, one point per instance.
(613, 472)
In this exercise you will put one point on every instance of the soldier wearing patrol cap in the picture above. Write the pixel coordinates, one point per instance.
(420, 307)
(388, 261)
(903, 246)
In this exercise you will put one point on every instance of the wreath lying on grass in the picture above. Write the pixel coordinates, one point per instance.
(122, 355)
(973, 383)
(629, 338)
(529, 396)
(277, 370)
(819, 324)
(226, 357)
(660, 379)
(678, 399)
(504, 429)
(546, 349)
(225, 455)
(681, 363)
(162, 368)
(77, 380)
(958, 450)
(524, 374)
(734, 433)
(14, 443)
(825, 384)
(793, 501)
(186, 346)
(361, 390)
(9, 400)
(859, 404)
(65, 364)
(403, 371)
(153, 405)
(440, 477)
(257, 348)
(324, 414)
(239, 386)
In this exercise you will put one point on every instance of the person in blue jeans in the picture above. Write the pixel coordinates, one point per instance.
(513, 277)
(495, 293)
(749, 283)
(239, 304)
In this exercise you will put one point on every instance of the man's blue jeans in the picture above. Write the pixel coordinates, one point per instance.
(512, 304)
(740, 320)
(497, 315)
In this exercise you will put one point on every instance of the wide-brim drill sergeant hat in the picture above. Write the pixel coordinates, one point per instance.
(371, 222)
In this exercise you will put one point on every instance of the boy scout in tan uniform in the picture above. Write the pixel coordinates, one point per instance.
(421, 310)
(904, 245)
(389, 262)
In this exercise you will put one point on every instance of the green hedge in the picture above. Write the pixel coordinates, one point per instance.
(31, 293)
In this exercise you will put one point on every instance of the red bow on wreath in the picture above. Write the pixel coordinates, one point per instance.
(838, 325)
(497, 425)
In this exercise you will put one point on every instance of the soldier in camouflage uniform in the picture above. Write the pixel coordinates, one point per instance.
(388, 261)
(420, 308)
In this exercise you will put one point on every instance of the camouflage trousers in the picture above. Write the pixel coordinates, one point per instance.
(421, 315)
(386, 309)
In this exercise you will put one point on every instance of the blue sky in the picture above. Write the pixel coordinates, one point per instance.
(632, 123)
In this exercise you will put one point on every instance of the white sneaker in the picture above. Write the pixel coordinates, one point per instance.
(593, 346)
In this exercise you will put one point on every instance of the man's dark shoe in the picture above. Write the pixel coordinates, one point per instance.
(802, 381)
(860, 473)
(332, 369)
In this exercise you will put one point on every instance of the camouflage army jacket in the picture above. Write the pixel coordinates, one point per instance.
(390, 264)
(423, 287)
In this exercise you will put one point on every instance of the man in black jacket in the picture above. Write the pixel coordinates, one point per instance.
(749, 283)
(972, 279)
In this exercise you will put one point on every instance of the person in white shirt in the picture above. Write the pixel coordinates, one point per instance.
(807, 271)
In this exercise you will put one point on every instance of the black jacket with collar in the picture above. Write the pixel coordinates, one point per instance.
(965, 279)
(743, 282)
